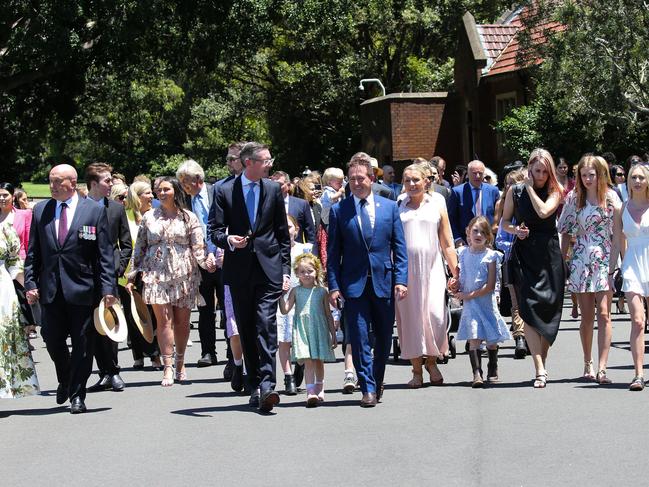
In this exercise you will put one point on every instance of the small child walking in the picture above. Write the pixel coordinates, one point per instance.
(314, 335)
(481, 320)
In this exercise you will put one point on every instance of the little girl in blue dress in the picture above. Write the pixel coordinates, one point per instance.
(481, 320)
(314, 335)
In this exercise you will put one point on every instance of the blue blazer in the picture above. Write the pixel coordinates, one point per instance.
(301, 211)
(460, 207)
(83, 269)
(349, 260)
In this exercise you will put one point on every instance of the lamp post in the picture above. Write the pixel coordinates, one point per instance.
(371, 80)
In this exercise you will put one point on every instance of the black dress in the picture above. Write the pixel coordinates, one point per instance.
(539, 276)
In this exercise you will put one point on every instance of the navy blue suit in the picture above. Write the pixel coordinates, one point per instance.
(255, 273)
(301, 211)
(71, 279)
(461, 209)
(366, 275)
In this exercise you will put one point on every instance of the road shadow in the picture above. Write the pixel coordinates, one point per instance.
(245, 408)
(46, 411)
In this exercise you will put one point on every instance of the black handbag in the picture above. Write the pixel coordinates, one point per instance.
(617, 283)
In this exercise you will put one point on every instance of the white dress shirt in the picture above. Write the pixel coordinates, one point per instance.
(72, 207)
(369, 206)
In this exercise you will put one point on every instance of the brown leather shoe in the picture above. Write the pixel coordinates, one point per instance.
(369, 400)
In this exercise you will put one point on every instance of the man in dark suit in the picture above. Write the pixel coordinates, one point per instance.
(250, 225)
(99, 182)
(297, 208)
(471, 199)
(69, 266)
(367, 267)
(233, 370)
(199, 199)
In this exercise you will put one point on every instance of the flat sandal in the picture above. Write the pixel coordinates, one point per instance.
(637, 384)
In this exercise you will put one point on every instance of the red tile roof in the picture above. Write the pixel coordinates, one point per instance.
(494, 39)
(506, 61)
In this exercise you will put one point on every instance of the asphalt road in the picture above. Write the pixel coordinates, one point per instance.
(572, 433)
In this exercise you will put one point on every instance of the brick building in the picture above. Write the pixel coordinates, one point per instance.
(458, 125)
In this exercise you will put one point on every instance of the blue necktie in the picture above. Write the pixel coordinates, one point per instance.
(199, 210)
(250, 203)
(366, 225)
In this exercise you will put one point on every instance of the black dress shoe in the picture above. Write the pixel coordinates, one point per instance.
(61, 393)
(268, 400)
(254, 399)
(290, 389)
(77, 406)
(207, 360)
(236, 382)
(521, 350)
(298, 374)
(103, 384)
(228, 370)
(117, 383)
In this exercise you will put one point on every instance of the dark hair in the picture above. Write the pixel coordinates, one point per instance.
(7, 187)
(250, 150)
(614, 169)
(93, 170)
(179, 194)
(610, 158)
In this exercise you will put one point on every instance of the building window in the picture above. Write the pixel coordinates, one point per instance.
(504, 104)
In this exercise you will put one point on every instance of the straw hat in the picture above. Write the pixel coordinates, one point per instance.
(378, 172)
(141, 316)
(111, 322)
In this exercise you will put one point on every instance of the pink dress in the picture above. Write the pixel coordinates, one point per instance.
(421, 316)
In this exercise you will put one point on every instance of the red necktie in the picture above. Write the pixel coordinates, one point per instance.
(63, 223)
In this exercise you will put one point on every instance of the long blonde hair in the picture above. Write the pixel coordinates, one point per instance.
(133, 198)
(603, 179)
(645, 172)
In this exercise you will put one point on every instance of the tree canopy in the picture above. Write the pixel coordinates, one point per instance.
(142, 85)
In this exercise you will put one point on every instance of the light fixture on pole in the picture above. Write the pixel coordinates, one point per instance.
(371, 80)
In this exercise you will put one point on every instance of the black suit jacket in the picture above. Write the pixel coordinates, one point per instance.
(443, 190)
(269, 239)
(301, 211)
(120, 235)
(83, 269)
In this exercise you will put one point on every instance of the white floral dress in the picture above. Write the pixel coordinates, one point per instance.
(17, 372)
(168, 253)
(592, 226)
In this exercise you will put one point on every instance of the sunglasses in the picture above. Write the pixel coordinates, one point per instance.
(619, 175)
(121, 197)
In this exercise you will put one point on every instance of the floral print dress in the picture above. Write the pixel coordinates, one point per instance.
(17, 372)
(592, 226)
(168, 252)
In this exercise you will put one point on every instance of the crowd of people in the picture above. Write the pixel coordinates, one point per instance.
(293, 267)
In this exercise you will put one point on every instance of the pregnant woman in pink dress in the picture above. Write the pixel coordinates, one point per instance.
(421, 316)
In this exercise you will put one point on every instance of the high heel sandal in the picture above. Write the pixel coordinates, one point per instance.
(417, 380)
(588, 370)
(602, 379)
(167, 381)
(181, 375)
(541, 381)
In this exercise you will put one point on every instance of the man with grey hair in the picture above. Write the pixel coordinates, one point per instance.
(474, 198)
(199, 198)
